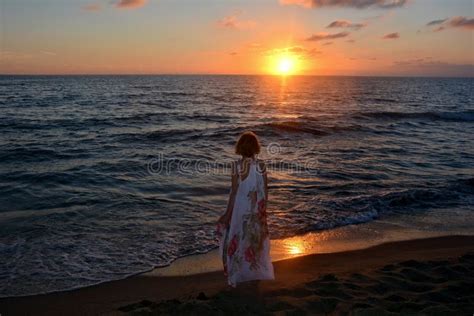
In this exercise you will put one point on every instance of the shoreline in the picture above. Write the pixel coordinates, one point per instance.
(339, 239)
(333, 240)
(108, 297)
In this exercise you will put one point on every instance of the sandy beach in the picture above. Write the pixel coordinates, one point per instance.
(154, 154)
(432, 276)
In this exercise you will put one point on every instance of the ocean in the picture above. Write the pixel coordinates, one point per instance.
(103, 177)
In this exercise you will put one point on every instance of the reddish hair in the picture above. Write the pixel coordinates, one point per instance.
(247, 145)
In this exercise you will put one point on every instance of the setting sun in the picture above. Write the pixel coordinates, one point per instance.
(283, 62)
(285, 65)
(170, 104)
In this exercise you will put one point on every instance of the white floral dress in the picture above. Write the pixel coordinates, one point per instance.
(245, 244)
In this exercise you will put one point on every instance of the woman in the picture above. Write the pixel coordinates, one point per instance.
(243, 230)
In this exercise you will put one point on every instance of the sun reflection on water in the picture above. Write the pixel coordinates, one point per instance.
(294, 246)
(295, 249)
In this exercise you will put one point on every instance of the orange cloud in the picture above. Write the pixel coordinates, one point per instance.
(92, 7)
(233, 22)
(359, 4)
(130, 4)
(325, 36)
(299, 51)
(461, 21)
(391, 36)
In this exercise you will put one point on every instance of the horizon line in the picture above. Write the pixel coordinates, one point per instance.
(231, 74)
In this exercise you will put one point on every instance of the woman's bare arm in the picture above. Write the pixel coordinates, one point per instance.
(233, 191)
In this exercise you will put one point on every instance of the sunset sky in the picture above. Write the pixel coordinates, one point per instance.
(321, 37)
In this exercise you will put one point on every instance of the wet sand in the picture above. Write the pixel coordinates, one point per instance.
(423, 276)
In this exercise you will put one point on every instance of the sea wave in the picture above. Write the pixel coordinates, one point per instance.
(36, 154)
(463, 116)
(79, 206)
(332, 211)
(98, 263)
(306, 126)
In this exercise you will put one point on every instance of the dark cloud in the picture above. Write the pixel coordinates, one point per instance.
(459, 22)
(411, 62)
(391, 36)
(359, 4)
(436, 22)
(346, 24)
(325, 36)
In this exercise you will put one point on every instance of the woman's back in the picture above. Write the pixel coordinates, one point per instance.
(245, 247)
(250, 175)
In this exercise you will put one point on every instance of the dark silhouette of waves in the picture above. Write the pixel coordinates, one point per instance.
(339, 210)
(464, 116)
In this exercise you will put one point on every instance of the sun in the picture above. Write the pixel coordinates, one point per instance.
(283, 62)
(285, 65)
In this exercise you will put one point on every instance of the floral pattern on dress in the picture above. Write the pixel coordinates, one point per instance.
(232, 246)
(245, 244)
